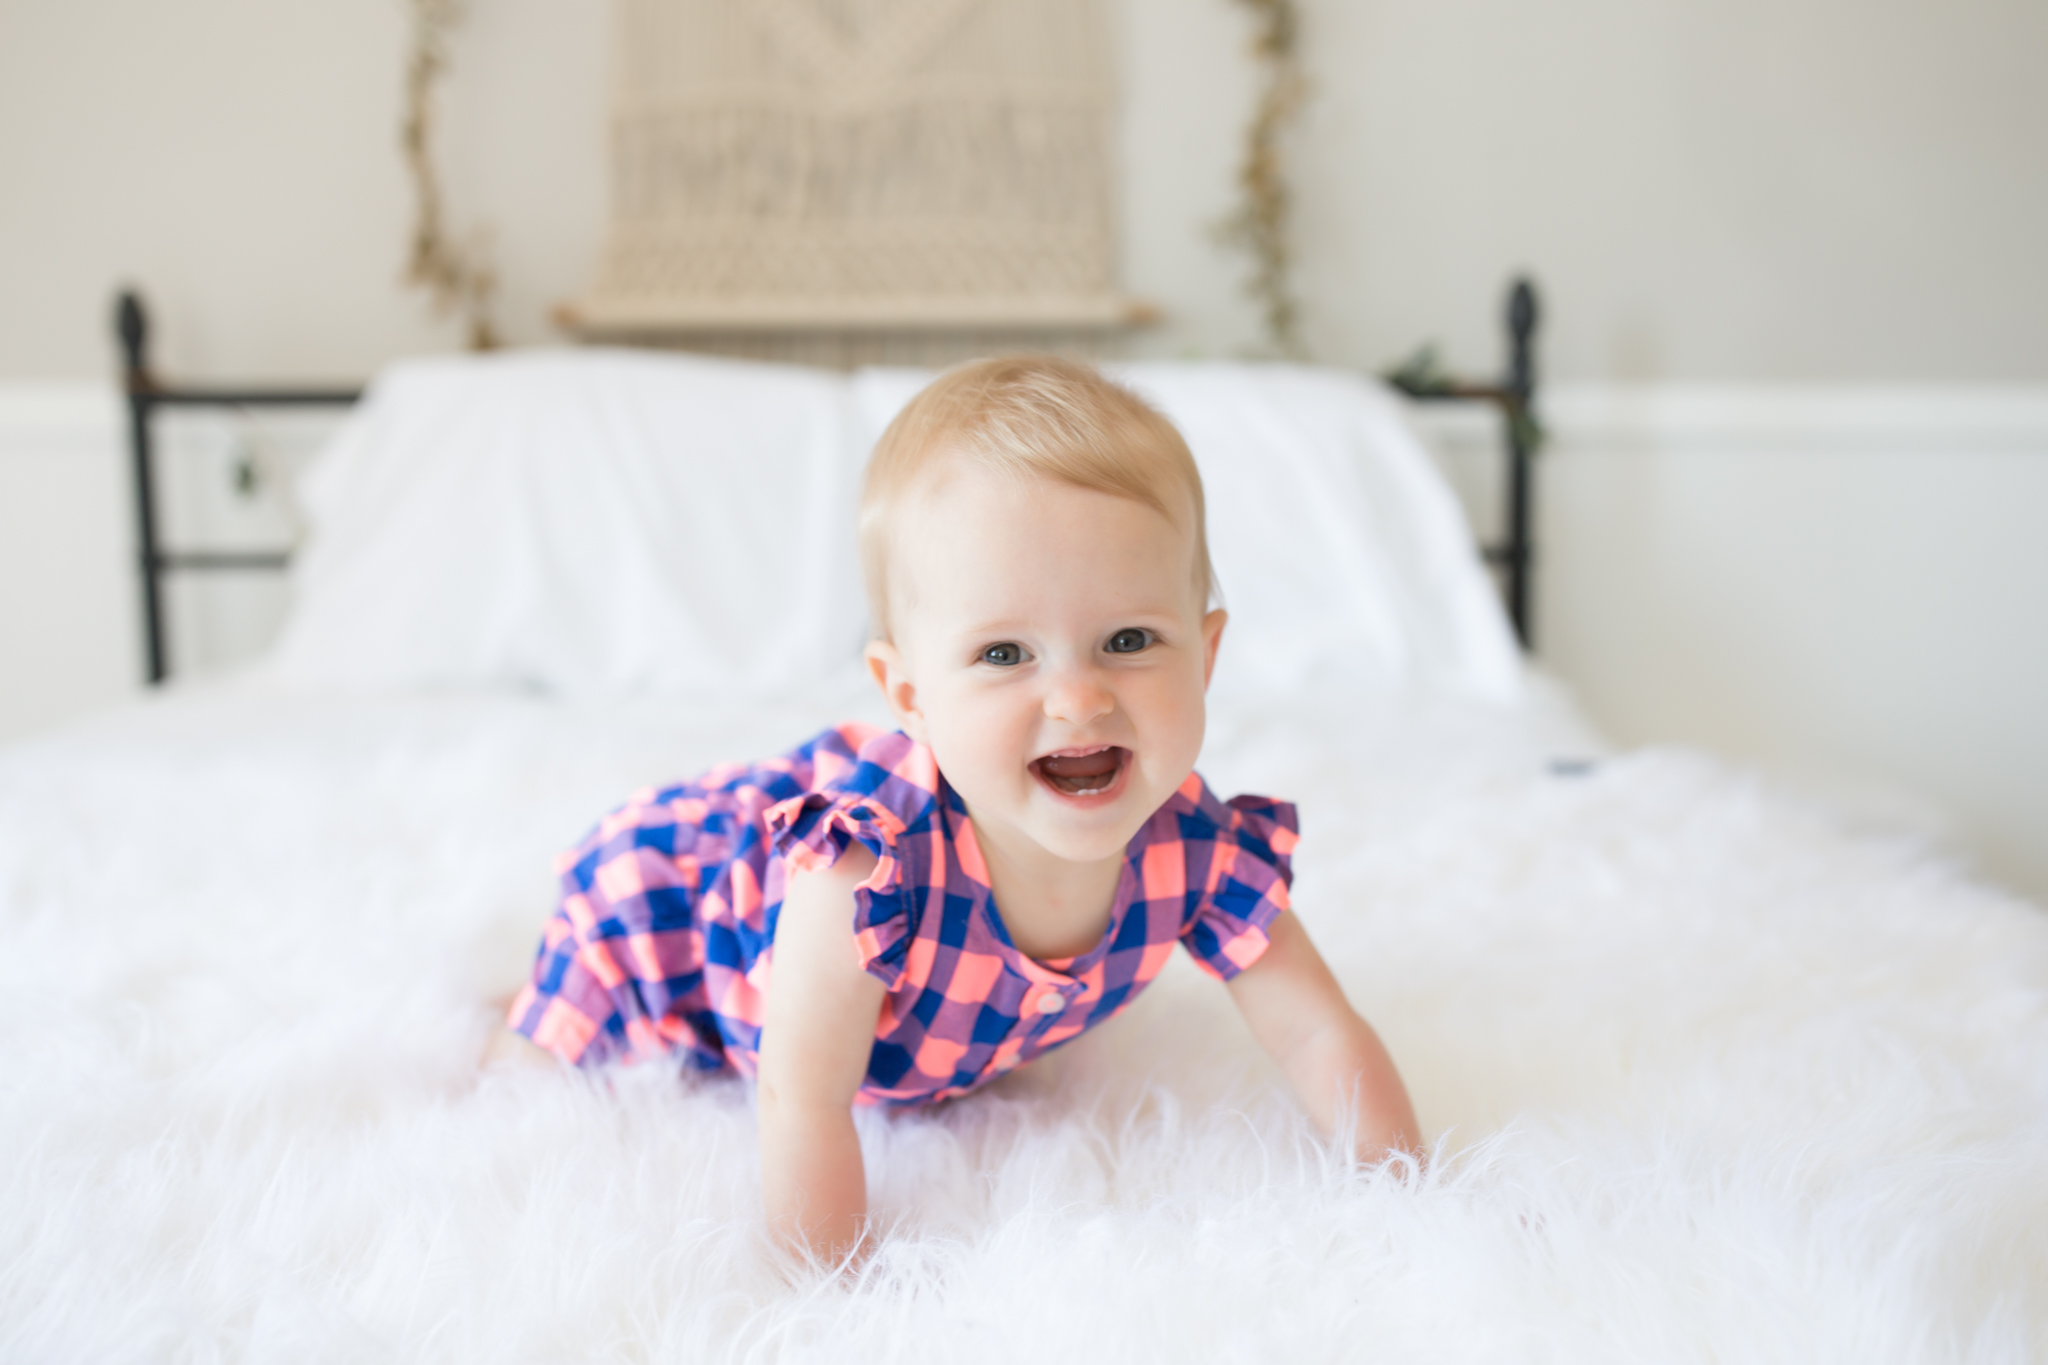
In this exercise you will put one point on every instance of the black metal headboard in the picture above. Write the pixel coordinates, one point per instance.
(145, 396)
(1513, 553)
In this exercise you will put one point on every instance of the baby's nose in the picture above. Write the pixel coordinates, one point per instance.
(1078, 697)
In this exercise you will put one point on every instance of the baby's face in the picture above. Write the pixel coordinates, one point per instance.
(1051, 648)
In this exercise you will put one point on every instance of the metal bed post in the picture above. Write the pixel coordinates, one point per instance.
(1518, 552)
(145, 395)
(133, 326)
(1515, 396)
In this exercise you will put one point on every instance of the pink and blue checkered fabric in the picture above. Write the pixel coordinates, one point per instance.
(666, 929)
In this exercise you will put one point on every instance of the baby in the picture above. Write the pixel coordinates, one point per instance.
(897, 918)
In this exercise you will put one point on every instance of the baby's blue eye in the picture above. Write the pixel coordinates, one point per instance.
(1003, 655)
(1129, 640)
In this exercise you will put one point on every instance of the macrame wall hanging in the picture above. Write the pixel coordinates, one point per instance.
(880, 178)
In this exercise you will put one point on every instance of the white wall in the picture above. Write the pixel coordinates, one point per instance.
(239, 158)
(1845, 585)
(68, 633)
(1712, 192)
(1771, 190)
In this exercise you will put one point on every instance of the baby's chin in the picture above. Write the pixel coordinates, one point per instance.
(1084, 850)
(1093, 824)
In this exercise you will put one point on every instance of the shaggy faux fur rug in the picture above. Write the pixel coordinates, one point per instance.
(1712, 1074)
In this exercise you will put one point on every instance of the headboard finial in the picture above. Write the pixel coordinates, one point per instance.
(131, 323)
(1523, 315)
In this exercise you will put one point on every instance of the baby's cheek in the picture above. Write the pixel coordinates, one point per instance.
(973, 745)
(1178, 724)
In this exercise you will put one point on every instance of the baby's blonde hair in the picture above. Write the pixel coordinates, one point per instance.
(1029, 416)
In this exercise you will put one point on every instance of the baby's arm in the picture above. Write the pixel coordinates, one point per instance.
(815, 1040)
(1332, 1057)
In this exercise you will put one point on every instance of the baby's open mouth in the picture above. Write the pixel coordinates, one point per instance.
(1082, 772)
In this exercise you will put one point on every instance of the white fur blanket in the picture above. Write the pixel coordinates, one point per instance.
(1712, 1075)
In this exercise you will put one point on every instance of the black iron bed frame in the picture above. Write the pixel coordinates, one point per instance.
(1514, 394)
(145, 395)
(1513, 554)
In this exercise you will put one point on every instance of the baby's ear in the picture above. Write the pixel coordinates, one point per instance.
(1212, 636)
(886, 666)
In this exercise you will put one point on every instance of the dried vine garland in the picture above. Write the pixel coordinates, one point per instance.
(1259, 224)
(458, 278)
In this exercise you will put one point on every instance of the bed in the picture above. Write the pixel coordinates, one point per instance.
(1709, 1072)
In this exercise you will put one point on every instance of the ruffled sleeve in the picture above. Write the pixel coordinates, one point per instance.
(814, 831)
(1249, 874)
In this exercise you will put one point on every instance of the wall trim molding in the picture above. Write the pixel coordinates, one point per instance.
(1922, 417)
(37, 415)
(1925, 419)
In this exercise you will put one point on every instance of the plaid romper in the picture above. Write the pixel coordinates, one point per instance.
(665, 937)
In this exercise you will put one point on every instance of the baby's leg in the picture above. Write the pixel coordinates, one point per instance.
(507, 1048)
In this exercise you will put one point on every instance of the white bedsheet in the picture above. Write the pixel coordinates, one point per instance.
(1713, 1076)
